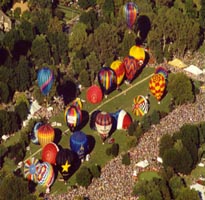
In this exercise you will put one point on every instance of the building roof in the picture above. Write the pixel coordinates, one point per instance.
(177, 63)
(34, 107)
(142, 164)
(193, 70)
(22, 5)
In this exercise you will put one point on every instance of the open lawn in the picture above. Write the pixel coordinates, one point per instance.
(148, 175)
(115, 101)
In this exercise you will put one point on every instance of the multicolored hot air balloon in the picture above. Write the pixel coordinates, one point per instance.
(34, 133)
(45, 79)
(73, 117)
(124, 120)
(131, 67)
(157, 85)
(77, 102)
(163, 71)
(130, 12)
(103, 123)
(119, 69)
(138, 53)
(79, 144)
(64, 162)
(140, 105)
(46, 134)
(107, 79)
(46, 174)
(31, 169)
(49, 153)
(94, 94)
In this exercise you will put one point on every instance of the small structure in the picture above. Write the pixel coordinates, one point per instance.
(177, 63)
(5, 22)
(142, 164)
(200, 188)
(194, 70)
(22, 5)
(34, 107)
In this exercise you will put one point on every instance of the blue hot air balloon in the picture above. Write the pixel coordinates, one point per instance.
(45, 79)
(79, 144)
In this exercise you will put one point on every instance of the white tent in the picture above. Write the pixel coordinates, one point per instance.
(200, 188)
(34, 107)
(193, 70)
(142, 164)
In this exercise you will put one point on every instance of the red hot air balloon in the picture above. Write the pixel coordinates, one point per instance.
(94, 94)
(124, 120)
(46, 134)
(103, 123)
(49, 153)
(131, 67)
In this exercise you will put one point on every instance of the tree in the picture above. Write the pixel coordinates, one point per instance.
(4, 92)
(202, 14)
(5, 123)
(126, 159)
(84, 78)
(95, 171)
(13, 188)
(15, 121)
(188, 194)
(115, 149)
(155, 117)
(22, 111)
(166, 142)
(108, 7)
(84, 177)
(176, 184)
(179, 85)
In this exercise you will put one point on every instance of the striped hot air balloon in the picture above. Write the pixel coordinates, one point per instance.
(73, 116)
(34, 133)
(46, 134)
(119, 69)
(162, 70)
(107, 79)
(103, 123)
(157, 86)
(46, 174)
(140, 105)
(45, 79)
(124, 120)
(31, 169)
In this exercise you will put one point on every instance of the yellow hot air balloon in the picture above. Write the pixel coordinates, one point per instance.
(138, 53)
(46, 134)
(119, 69)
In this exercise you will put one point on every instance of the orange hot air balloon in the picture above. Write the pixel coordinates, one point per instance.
(119, 69)
(94, 94)
(138, 53)
(49, 153)
(157, 85)
(46, 134)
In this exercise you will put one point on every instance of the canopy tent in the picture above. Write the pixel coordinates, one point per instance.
(34, 107)
(177, 63)
(200, 188)
(142, 164)
(193, 70)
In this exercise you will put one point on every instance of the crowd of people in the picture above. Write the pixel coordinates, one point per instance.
(116, 181)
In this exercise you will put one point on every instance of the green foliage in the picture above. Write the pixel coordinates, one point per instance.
(166, 142)
(22, 111)
(126, 159)
(95, 171)
(84, 78)
(115, 149)
(83, 177)
(132, 143)
(188, 194)
(155, 117)
(4, 92)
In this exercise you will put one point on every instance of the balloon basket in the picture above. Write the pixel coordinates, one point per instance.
(159, 102)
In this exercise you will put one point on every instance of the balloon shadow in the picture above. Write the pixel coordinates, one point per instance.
(114, 126)
(92, 119)
(4, 55)
(58, 135)
(91, 143)
(85, 119)
(68, 90)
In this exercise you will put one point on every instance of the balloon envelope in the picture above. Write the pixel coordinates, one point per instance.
(34, 133)
(78, 103)
(94, 94)
(140, 105)
(131, 67)
(124, 120)
(31, 169)
(119, 69)
(49, 153)
(45, 79)
(46, 134)
(73, 116)
(64, 162)
(79, 143)
(157, 85)
(130, 13)
(161, 70)
(103, 123)
(107, 79)
(138, 53)
(46, 174)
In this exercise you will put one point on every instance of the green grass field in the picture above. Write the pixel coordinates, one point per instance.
(148, 175)
(114, 102)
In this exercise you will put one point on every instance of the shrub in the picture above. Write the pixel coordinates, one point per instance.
(115, 149)
(95, 171)
(126, 159)
(84, 177)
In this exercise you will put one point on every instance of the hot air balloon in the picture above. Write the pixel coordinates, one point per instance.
(93, 118)
(131, 67)
(73, 117)
(163, 71)
(130, 12)
(49, 153)
(124, 120)
(107, 79)
(103, 123)
(64, 162)
(34, 133)
(79, 144)
(157, 85)
(45, 79)
(31, 169)
(78, 103)
(46, 174)
(138, 53)
(119, 69)
(140, 105)
(46, 134)
(94, 94)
